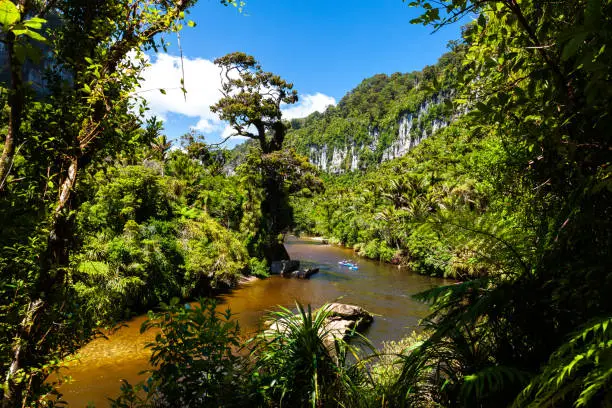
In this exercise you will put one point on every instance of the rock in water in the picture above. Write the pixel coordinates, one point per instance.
(284, 267)
(306, 273)
(355, 317)
(341, 322)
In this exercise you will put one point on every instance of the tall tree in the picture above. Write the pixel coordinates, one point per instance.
(252, 99)
(15, 32)
(161, 146)
(82, 116)
(251, 103)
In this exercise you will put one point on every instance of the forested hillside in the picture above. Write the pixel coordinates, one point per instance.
(381, 119)
(432, 165)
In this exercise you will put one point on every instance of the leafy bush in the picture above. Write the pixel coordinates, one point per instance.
(385, 253)
(259, 267)
(387, 368)
(214, 257)
(370, 250)
(148, 245)
(578, 373)
(193, 358)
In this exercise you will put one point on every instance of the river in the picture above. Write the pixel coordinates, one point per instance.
(382, 289)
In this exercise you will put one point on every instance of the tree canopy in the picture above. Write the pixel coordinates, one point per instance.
(252, 99)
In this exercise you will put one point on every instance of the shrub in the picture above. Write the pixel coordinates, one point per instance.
(213, 255)
(388, 367)
(193, 359)
(294, 366)
(259, 267)
(385, 253)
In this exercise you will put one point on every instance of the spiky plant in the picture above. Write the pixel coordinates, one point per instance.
(467, 360)
(298, 364)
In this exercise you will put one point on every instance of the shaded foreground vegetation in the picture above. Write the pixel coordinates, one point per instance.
(512, 197)
(199, 360)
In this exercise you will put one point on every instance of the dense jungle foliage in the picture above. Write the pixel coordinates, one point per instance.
(513, 197)
(101, 218)
(437, 210)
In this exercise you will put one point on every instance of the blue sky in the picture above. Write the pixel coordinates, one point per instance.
(325, 48)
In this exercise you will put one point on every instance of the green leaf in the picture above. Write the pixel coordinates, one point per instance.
(35, 36)
(20, 52)
(482, 107)
(592, 14)
(482, 21)
(532, 118)
(35, 23)
(9, 14)
(162, 90)
(573, 45)
(34, 54)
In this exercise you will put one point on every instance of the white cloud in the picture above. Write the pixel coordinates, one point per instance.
(308, 104)
(202, 82)
(205, 126)
(229, 131)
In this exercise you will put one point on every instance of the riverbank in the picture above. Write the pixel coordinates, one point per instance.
(397, 260)
(317, 239)
(382, 289)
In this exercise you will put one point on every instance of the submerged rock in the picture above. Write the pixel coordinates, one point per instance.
(284, 267)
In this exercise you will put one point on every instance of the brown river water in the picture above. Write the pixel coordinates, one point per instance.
(382, 289)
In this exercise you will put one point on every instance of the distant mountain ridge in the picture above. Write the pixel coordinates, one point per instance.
(381, 119)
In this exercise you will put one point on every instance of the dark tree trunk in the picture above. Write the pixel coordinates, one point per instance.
(28, 350)
(16, 100)
(274, 210)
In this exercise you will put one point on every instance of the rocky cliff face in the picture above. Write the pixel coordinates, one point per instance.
(381, 119)
(409, 130)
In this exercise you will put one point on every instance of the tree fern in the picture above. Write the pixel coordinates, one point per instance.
(578, 373)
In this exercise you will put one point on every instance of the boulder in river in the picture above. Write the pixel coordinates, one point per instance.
(343, 320)
(302, 274)
(306, 273)
(284, 267)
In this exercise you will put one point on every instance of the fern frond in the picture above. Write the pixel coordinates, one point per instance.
(578, 373)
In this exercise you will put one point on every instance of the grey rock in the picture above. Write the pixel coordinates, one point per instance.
(284, 267)
(341, 323)
(303, 274)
